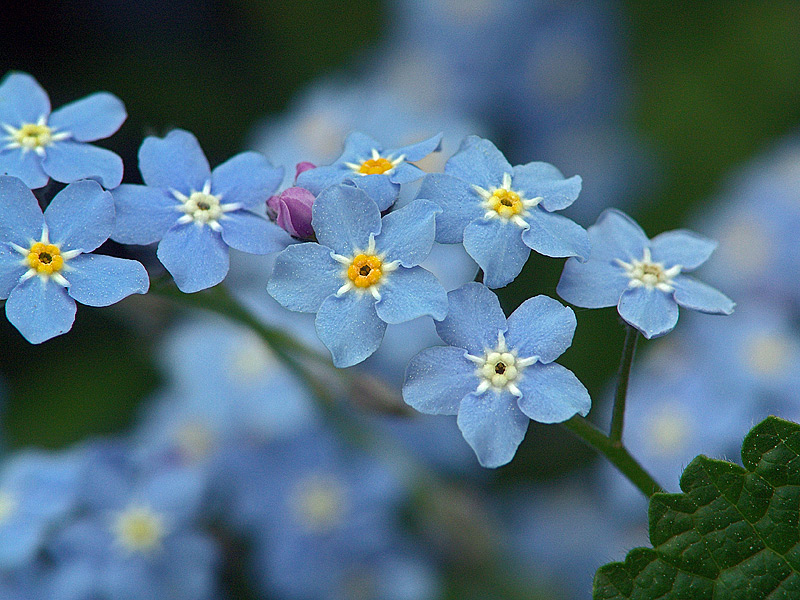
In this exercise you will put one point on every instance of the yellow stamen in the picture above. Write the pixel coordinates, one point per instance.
(376, 166)
(365, 270)
(33, 135)
(46, 259)
(506, 203)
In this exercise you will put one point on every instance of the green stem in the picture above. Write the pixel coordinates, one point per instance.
(614, 452)
(624, 375)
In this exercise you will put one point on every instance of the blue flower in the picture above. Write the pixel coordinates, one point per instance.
(363, 273)
(371, 167)
(196, 214)
(643, 278)
(39, 145)
(44, 265)
(497, 373)
(500, 213)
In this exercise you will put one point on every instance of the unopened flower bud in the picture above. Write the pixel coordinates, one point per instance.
(303, 167)
(292, 210)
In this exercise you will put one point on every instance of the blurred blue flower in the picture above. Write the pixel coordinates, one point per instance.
(196, 214)
(44, 262)
(500, 213)
(39, 145)
(643, 278)
(497, 373)
(363, 273)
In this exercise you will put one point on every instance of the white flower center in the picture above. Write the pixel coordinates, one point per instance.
(251, 359)
(139, 529)
(670, 428)
(195, 441)
(767, 354)
(649, 274)
(203, 207)
(365, 271)
(8, 506)
(376, 165)
(500, 368)
(320, 503)
(506, 204)
(33, 136)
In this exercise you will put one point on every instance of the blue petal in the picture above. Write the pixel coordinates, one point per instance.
(249, 232)
(411, 293)
(379, 188)
(437, 379)
(593, 284)
(473, 320)
(349, 327)
(304, 275)
(651, 311)
(22, 100)
(696, 295)
(552, 394)
(343, 217)
(407, 234)
(358, 147)
(616, 236)
(40, 309)
(92, 118)
(554, 235)
(21, 219)
(97, 280)
(81, 216)
(406, 173)
(478, 162)
(68, 161)
(681, 247)
(418, 151)
(497, 247)
(541, 327)
(22, 540)
(25, 165)
(12, 267)
(493, 425)
(543, 180)
(460, 205)
(247, 179)
(316, 180)
(195, 256)
(144, 214)
(175, 162)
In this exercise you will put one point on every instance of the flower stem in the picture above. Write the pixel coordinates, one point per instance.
(623, 376)
(614, 452)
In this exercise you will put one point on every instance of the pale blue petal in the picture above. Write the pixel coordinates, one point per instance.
(616, 236)
(247, 179)
(68, 161)
(379, 188)
(343, 217)
(696, 295)
(98, 280)
(317, 179)
(593, 284)
(543, 180)
(40, 309)
(497, 247)
(25, 165)
(493, 425)
(304, 275)
(651, 311)
(411, 293)
(418, 151)
(541, 327)
(176, 162)
(195, 256)
(27, 537)
(12, 267)
(437, 379)
(144, 214)
(22, 100)
(473, 320)
(249, 232)
(349, 327)
(460, 205)
(554, 235)
(407, 234)
(21, 219)
(92, 118)
(552, 394)
(681, 247)
(81, 216)
(358, 147)
(406, 173)
(479, 162)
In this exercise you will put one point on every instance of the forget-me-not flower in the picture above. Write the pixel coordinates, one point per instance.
(363, 273)
(196, 214)
(371, 167)
(497, 373)
(643, 278)
(44, 262)
(501, 212)
(36, 145)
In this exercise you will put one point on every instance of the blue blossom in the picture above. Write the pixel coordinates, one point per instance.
(363, 273)
(500, 213)
(39, 145)
(371, 167)
(196, 214)
(497, 373)
(643, 278)
(44, 262)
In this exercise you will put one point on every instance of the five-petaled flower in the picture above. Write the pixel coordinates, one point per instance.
(643, 278)
(497, 373)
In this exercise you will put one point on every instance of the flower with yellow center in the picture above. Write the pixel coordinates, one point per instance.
(500, 368)
(376, 165)
(505, 203)
(45, 260)
(365, 271)
(203, 208)
(649, 274)
(33, 136)
(139, 529)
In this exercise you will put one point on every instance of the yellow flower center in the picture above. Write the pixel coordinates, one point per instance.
(45, 259)
(365, 270)
(375, 166)
(33, 135)
(320, 503)
(506, 203)
(139, 529)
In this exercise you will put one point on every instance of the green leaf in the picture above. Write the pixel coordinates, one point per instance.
(732, 535)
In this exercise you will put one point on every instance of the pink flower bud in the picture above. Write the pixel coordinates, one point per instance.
(292, 209)
(302, 167)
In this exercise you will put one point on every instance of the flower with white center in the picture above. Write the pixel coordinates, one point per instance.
(649, 274)
(497, 373)
(139, 529)
(203, 207)
(34, 137)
